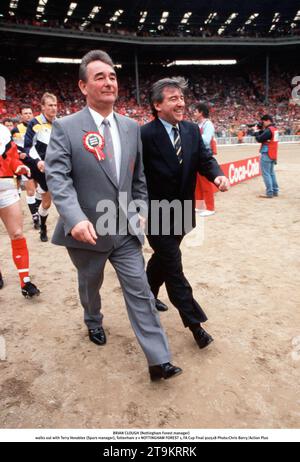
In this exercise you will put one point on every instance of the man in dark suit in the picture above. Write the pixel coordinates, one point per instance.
(174, 153)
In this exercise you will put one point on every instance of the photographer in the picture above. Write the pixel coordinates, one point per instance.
(268, 137)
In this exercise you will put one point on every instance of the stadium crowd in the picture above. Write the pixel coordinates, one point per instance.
(236, 98)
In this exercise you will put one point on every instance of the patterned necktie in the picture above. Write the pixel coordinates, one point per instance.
(109, 149)
(177, 144)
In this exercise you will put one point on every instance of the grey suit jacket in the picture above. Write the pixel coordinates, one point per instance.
(78, 181)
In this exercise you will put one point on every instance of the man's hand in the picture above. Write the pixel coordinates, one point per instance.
(23, 170)
(22, 155)
(41, 166)
(84, 232)
(222, 183)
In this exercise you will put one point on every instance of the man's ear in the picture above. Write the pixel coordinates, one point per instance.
(157, 106)
(82, 86)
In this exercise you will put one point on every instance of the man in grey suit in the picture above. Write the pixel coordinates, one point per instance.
(93, 160)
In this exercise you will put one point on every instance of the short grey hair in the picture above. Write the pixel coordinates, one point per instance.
(156, 92)
(93, 55)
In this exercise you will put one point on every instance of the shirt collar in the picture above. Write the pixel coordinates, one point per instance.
(168, 126)
(202, 122)
(98, 118)
(44, 120)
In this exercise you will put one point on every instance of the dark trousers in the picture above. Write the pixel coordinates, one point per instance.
(36, 174)
(165, 266)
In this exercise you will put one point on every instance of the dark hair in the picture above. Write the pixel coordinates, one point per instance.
(7, 119)
(202, 107)
(93, 55)
(25, 106)
(267, 117)
(156, 92)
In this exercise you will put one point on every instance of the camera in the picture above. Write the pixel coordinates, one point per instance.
(253, 128)
(255, 125)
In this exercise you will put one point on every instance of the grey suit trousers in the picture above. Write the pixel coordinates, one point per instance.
(127, 259)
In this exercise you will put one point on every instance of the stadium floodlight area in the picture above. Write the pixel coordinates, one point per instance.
(49, 60)
(203, 62)
(52, 60)
(72, 7)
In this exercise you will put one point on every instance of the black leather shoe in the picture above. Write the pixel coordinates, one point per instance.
(97, 336)
(203, 339)
(1, 281)
(160, 306)
(163, 371)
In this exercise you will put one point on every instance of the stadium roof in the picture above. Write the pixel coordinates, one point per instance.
(141, 20)
(222, 16)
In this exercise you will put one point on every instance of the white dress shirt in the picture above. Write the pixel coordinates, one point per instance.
(98, 119)
(169, 127)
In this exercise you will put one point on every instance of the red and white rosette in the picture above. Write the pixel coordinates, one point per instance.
(94, 143)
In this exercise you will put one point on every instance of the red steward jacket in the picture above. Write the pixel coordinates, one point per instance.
(272, 143)
(9, 161)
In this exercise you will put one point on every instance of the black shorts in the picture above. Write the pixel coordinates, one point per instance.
(36, 175)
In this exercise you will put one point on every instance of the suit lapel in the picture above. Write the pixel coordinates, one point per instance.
(164, 145)
(89, 125)
(123, 133)
(187, 151)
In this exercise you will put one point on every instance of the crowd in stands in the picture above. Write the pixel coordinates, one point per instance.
(236, 98)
